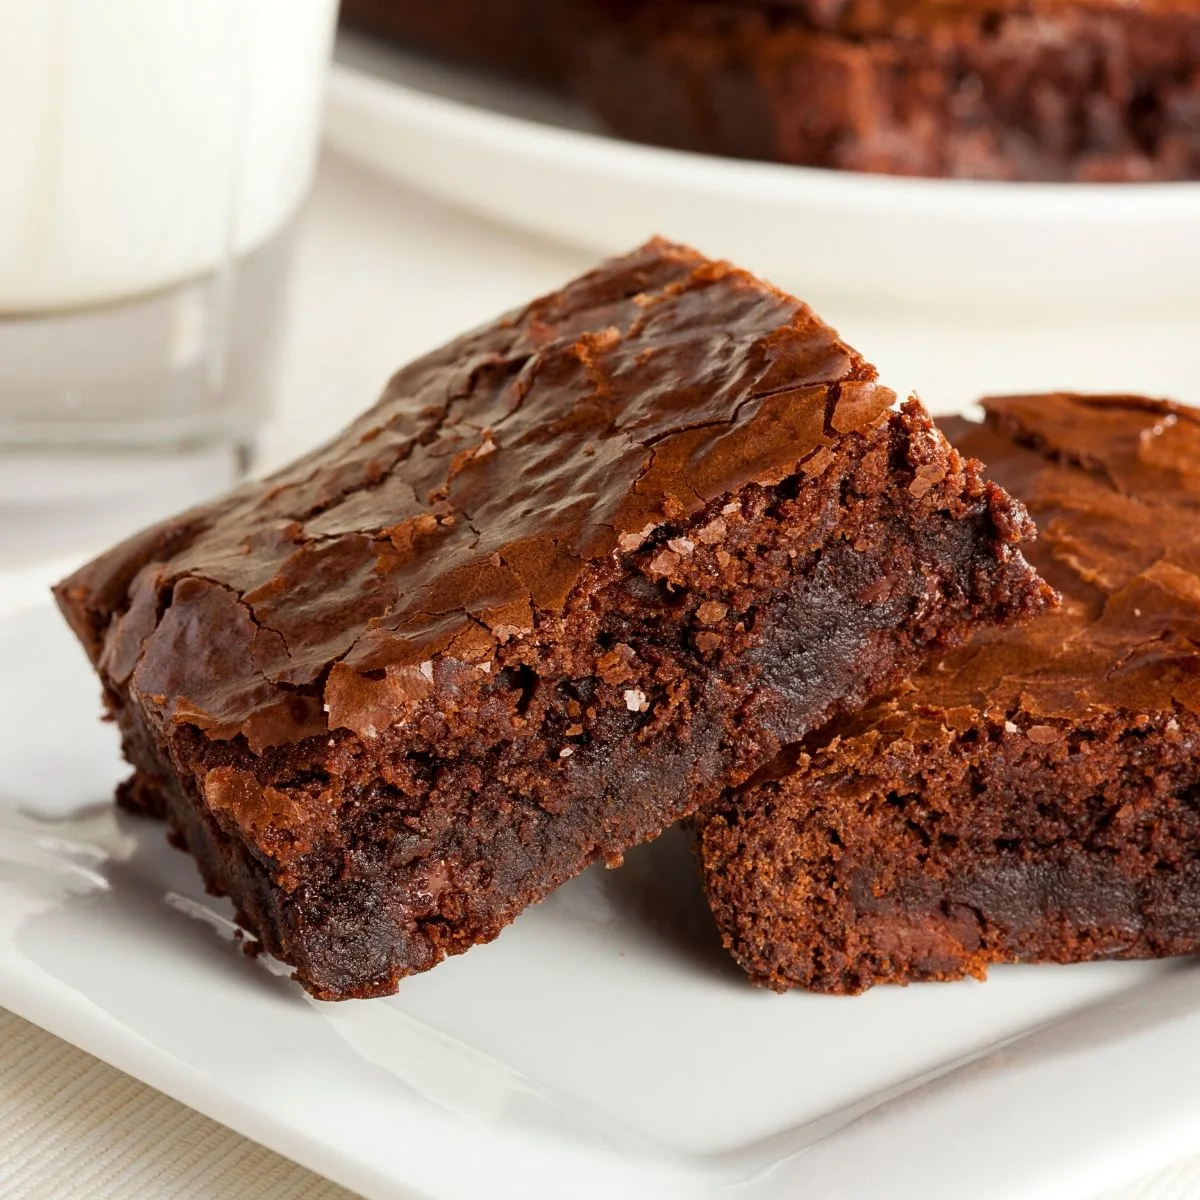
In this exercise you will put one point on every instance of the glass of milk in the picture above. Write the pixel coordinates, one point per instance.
(155, 154)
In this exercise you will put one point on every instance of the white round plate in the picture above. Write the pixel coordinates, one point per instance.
(1091, 287)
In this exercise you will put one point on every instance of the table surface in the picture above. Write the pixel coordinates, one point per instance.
(381, 275)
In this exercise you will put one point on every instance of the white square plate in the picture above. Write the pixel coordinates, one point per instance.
(603, 1046)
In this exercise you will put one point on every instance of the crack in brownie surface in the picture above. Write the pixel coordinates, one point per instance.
(536, 605)
(1034, 796)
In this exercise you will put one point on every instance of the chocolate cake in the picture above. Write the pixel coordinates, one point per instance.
(575, 573)
(1033, 797)
(1080, 90)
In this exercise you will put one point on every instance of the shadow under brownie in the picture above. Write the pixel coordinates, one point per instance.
(574, 574)
(1034, 796)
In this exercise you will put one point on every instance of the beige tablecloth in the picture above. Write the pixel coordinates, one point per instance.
(72, 1128)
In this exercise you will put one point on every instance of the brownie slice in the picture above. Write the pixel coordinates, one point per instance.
(1091, 90)
(574, 574)
(1035, 796)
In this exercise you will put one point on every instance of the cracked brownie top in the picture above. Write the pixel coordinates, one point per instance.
(341, 589)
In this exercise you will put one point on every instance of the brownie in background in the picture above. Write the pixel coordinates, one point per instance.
(1089, 90)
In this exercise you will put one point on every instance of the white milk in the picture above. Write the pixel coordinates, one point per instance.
(144, 142)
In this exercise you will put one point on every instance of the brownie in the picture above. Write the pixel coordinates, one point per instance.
(1076, 90)
(514, 37)
(573, 575)
(1033, 797)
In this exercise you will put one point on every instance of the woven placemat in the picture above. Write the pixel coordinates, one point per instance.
(73, 1128)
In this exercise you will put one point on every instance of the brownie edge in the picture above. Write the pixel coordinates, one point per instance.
(577, 572)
